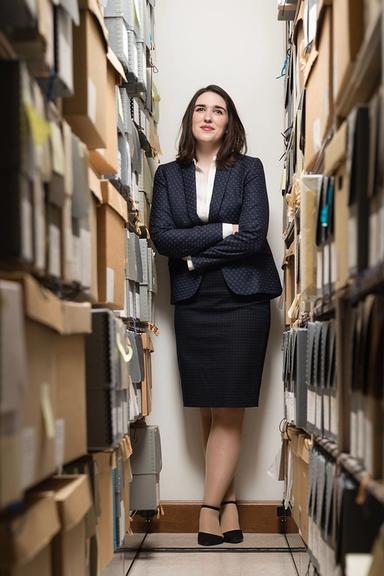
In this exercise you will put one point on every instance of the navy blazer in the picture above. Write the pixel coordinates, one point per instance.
(239, 197)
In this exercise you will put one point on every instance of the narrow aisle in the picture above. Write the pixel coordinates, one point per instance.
(175, 554)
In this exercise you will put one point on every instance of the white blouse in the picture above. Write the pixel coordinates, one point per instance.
(204, 191)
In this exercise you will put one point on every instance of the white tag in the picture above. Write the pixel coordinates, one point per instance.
(311, 407)
(361, 434)
(326, 413)
(381, 233)
(110, 275)
(319, 270)
(122, 522)
(354, 433)
(333, 262)
(125, 41)
(334, 416)
(28, 456)
(60, 442)
(26, 226)
(92, 100)
(54, 251)
(368, 448)
(319, 411)
(358, 564)
(326, 265)
(65, 43)
(316, 134)
(373, 238)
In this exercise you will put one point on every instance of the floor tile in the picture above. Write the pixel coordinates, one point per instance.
(225, 560)
(213, 564)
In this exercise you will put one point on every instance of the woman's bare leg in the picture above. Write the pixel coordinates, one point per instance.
(223, 443)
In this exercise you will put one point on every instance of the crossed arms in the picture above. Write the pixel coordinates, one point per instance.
(205, 243)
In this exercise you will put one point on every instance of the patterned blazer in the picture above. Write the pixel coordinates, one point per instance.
(239, 197)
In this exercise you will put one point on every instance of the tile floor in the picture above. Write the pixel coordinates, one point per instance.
(179, 554)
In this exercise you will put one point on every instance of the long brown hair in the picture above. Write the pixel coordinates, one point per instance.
(234, 140)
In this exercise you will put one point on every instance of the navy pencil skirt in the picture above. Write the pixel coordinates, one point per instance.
(221, 340)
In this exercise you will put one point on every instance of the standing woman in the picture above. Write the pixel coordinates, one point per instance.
(210, 217)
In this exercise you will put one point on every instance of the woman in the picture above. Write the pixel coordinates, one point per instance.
(210, 217)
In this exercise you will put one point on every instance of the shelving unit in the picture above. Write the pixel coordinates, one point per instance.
(334, 329)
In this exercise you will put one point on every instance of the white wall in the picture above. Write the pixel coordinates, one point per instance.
(239, 46)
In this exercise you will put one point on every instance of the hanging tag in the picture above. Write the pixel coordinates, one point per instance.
(47, 410)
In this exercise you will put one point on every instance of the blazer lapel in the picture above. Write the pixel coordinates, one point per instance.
(189, 180)
(219, 187)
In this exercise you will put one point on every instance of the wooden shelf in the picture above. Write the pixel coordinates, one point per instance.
(369, 282)
(365, 75)
(353, 467)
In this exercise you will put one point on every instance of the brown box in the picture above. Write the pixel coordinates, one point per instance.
(104, 529)
(25, 538)
(73, 498)
(70, 413)
(111, 218)
(96, 200)
(105, 160)
(319, 95)
(348, 34)
(86, 110)
(146, 387)
(300, 448)
(52, 329)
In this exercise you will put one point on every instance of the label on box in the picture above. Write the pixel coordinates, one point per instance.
(311, 407)
(358, 564)
(92, 100)
(361, 434)
(316, 134)
(28, 456)
(65, 50)
(39, 222)
(54, 261)
(60, 442)
(137, 301)
(369, 445)
(326, 265)
(373, 237)
(319, 270)
(26, 227)
(110, 276)
(326, 412)
(354, 433)
(352, 242)
(47, 410)
(319, 411)
(125, 42)
(333, 262)
(334, 415)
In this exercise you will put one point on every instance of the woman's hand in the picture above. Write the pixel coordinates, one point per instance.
(235, 228)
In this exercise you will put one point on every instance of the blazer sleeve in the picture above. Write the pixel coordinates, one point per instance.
(253, 225)
(177, 242)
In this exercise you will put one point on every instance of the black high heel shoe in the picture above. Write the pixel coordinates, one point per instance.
(206, 538)
(232, 536)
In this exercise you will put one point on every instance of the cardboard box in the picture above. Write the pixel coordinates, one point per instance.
(52, 329)
(319, 95)
(86, 110)
(104, 461)
(111, 219)
(13, 381)
(73, 499)
(25, 538)
(96, 200)
(70, 414)
(348, 34)
(300, 448)
(36, 44)
(105, 160)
